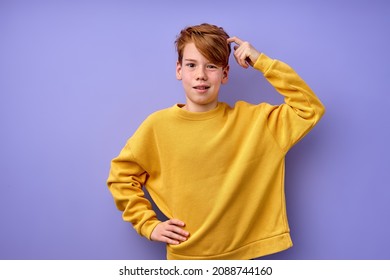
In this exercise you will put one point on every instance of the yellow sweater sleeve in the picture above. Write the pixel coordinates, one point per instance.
(302, 109)
(125, 183)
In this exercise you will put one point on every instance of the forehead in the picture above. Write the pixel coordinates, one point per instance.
(191, 52)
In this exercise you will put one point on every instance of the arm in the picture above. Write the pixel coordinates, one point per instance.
(125, 183)
(302, 109)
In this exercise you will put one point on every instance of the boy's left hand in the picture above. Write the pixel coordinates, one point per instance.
(244, 53)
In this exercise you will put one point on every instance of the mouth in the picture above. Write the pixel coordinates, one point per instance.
(201, 88)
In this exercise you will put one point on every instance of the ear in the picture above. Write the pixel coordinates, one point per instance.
(225, 74)
(178, 70)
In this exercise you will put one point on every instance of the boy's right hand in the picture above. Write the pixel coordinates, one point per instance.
(170, 232)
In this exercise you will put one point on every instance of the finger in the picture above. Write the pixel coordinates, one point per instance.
(237, 55)
(235, 39)
(169, 241)
(174, 236)
(242, 56)
(176, 230)
(176, 222)
(168, 237)
(162, 237)
(176, 226)
(241, 59)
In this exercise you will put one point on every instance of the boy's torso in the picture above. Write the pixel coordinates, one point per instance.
(222, 175)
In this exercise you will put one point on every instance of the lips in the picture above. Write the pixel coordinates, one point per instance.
(201, 87)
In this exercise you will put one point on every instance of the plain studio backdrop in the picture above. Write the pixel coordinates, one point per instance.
(78, 77)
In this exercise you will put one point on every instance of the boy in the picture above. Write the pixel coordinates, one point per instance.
(216, 172)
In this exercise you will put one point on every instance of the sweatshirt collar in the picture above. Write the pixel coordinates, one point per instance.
(196, 116)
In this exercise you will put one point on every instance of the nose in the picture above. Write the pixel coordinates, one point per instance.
(201, 74)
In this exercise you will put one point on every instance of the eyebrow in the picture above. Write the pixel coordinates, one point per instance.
(194, 60)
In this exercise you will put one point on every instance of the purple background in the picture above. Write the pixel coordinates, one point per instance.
(78, 77)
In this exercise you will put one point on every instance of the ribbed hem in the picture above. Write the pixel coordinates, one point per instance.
(250, 251)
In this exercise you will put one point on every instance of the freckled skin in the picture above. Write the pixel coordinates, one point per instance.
(201, 80)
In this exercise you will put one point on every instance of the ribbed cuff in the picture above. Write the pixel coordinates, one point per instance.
(263, 63)
(148, 227)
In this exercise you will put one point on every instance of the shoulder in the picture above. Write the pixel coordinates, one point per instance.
(243, 107)
(152, 121)
(159, 115)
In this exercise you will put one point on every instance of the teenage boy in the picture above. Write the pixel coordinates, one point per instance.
(215, 171)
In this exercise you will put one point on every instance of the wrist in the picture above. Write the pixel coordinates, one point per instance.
(149, 227)
(263, 63)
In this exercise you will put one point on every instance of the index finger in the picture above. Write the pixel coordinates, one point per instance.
(235, 39)
(176, 222)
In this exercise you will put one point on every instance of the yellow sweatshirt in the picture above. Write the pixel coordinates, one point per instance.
(221, 171)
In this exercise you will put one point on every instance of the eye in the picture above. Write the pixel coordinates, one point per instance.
(212, 66)
(190, 65)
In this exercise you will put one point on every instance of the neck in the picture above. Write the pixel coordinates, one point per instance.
(200, 108)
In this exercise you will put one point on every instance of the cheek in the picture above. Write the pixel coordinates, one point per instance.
(186, 81)
(217, 79)
(186, 77)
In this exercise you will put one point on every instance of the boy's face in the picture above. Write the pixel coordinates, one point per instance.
(201, 79)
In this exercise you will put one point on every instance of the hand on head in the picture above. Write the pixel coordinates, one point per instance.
(244, 53)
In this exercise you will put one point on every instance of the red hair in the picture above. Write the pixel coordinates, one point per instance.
(210, 40)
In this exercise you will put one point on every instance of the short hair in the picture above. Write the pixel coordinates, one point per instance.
(210, 40)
